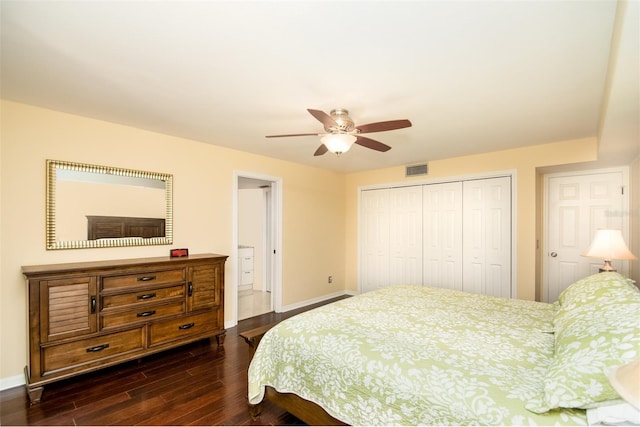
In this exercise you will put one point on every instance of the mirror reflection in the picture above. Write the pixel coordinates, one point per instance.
(99, 206)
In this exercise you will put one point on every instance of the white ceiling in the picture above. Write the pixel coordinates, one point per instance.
(472, 77)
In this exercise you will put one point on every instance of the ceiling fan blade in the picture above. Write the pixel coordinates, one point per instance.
(383, 126)
(372, 143)
(321, 150)
(323, 118)
(293, 134)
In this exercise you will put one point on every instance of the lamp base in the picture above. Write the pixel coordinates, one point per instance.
(607, 267)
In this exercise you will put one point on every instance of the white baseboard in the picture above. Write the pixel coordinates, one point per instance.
(11, 382)
(229, 324)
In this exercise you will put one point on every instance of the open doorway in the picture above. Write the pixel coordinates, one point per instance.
(257, 228)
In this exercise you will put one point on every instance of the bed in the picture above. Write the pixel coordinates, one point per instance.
(409, 355)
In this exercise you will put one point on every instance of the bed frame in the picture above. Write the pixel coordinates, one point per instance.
(306, 411)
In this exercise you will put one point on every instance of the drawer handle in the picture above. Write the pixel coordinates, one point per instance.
(190, 289)
(93, 305)
(97, 348)
(146, 278)
(146, 296)
(146, 313)
(187, 326)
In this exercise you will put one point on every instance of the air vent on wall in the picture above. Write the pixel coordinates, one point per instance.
(414, 170)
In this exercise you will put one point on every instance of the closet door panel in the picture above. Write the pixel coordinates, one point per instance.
(442, 235)
(487, 236)
(374, 239)
(452, 235)
(405, 219)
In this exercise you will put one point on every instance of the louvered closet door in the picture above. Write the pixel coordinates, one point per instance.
(442, 235)
(405, 237)
(487, 236)
(374, 239)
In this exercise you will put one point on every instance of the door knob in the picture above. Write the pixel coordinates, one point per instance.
(553, 254)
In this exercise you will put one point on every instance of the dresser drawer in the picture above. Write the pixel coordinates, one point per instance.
(184, 327)
(246, 277)
(144, 278)
(133, 298)
(141, 314)
(81, 352)
(246, 263)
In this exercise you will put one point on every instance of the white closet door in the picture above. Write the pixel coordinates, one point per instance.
(442, 235)
(405, 238)
(487, 236)
(374, 238)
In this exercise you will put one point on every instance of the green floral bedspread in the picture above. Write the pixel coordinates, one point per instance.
(410, 355)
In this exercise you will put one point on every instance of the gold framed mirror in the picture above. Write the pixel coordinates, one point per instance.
(91, 206)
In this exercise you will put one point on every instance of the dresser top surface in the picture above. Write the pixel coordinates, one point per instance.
(35, 270)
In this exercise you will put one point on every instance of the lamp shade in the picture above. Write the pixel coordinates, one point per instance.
(338, 143)
(608, 245)
(625, 380)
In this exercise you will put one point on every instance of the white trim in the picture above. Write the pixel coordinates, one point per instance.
(11, 382)
(231, 286)
(514, 234)
(230, 323)
(511, 173)
(624, 170)
(267, 235)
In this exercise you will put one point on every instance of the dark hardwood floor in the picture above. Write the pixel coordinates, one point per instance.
(196, 384)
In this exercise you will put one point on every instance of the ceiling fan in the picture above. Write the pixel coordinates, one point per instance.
(341, 132)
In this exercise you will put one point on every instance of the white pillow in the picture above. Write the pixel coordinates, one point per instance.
(611, 415)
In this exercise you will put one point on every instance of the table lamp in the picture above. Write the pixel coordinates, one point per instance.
(609, 245)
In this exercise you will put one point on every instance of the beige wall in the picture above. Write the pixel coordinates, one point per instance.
(523, 161)
(313, 207)
(634, 219)
(320, 208)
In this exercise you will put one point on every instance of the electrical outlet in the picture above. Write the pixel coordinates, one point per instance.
(330, 279)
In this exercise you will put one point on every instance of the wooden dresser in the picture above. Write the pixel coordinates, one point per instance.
(88, 315)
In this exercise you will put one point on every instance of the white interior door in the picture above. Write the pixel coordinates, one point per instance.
(578, 205)
(405, 236)
(374, 239)
(442, 235)
(487, 236)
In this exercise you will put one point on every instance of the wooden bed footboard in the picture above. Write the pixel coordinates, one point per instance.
(306, 411)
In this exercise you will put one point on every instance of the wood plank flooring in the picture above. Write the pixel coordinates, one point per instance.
(196, 384)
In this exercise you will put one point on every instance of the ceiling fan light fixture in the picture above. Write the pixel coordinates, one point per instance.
(341, 132)
(338, 143)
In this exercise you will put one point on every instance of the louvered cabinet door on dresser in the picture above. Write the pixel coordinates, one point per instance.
(68, 308)
(86, 316)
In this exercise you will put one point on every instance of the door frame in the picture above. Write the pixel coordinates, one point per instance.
(544, 292)
(275, 251)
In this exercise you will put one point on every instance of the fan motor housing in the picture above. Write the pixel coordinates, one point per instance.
(341, 117)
